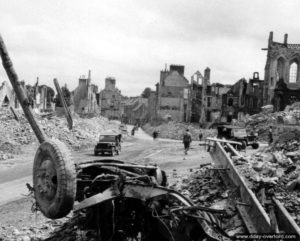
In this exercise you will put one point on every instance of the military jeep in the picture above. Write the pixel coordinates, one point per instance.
(108, 143)
(238, 134)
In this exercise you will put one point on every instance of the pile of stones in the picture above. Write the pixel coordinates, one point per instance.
(14, 134)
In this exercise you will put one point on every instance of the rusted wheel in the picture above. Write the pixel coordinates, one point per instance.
(54, 179)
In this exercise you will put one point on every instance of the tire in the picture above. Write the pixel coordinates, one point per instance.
(244, 145)
(54, 179)
(255, 145)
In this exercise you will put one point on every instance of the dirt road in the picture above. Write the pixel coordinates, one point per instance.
(141, 148)
(15, 209)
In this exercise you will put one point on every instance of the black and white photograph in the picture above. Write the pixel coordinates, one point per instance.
(139, 120)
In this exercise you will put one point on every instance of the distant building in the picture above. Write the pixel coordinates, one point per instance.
(84, 96)
(110, 99)
(135, 110)
(282, 73)
(206, 98)
(243, 98)
(173, 94)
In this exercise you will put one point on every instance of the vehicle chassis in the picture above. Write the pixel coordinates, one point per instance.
(132, 201)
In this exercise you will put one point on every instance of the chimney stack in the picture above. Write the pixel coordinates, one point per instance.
(270, 37)
(207, 75)
(285, 39)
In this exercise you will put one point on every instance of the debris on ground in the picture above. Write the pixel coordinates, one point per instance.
(14, 134)
(277, 171)
(175, 130)
(205, 188)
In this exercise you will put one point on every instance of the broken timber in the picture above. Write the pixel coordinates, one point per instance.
(64, 104)
(253, 214)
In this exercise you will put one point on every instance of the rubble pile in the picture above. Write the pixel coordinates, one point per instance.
(85, 132)
(175, 130)
(288, 141)
(14, 134)
(273, 172)
(35, 232)
(261, 121)
(205, 188)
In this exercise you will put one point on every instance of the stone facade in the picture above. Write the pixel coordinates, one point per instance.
(206, 98)
(135, 111)
(173, 94)
(243, 98)
(40, 97)
(282, 64)
(110, 99)
(84, 96)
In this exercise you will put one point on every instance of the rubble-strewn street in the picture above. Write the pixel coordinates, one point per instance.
(21, 224)
(124, 121)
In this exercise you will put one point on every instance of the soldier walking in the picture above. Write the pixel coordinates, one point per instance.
(187, 139)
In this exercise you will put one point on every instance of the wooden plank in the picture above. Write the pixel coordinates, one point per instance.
(284, 219)
(256, 214)
(223, 141)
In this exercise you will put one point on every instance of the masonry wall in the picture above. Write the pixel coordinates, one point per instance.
(171, 106)
(80, 96)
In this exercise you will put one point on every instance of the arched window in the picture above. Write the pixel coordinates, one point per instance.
(293, 72)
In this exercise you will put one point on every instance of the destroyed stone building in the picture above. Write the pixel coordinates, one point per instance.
(84, 96)
(242, 98)
(110, 100)
(206, 98)
(282, 79)
(172, 94)
(40, 96)
(135, 110)
(44, 98)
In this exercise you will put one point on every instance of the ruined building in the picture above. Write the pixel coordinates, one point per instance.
(110, 98)
(242, 98)
(85, 100)
(172, 93)
(282, 79)
(135, 110)
(40, 96)
(206, 98)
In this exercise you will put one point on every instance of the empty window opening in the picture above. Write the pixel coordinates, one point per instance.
(293, 72)
(5, 102)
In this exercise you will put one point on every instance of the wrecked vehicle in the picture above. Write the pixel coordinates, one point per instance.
(122, 201)
(109, 142)
(119, 201)
(238, 134)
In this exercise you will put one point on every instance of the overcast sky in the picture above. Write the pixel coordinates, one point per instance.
(132, 40)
